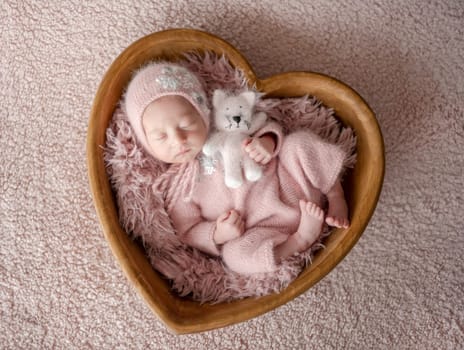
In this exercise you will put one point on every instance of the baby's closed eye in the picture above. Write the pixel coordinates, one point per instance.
(187, 125)
(158, 136)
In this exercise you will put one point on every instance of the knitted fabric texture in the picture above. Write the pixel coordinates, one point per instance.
(305, 168)
(142, 212)
(160, 79)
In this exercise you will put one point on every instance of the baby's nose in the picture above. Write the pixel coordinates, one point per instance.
(179, 137)
(237, 118)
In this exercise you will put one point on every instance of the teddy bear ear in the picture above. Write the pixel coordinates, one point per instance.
(218, 97)
(249, 96)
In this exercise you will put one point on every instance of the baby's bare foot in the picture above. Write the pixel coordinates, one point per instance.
(312, 218)
(337, 214)
(337, 222)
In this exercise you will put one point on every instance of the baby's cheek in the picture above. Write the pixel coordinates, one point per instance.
(161, 152)
(201, 138)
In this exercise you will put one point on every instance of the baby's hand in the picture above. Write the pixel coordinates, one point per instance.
(260, 149)
(229, 225)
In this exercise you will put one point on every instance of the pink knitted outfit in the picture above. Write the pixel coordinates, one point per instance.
(304, 167)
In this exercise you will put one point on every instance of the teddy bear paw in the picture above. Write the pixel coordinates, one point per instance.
(253, 174)
(233, 182)
(208, 149)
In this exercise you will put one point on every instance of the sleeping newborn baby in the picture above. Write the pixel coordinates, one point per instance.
(252, 227)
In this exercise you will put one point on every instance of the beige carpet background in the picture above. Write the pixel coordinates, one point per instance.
(401, 287)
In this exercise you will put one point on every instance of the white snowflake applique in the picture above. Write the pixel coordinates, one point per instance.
(208, 164)
(167, 82)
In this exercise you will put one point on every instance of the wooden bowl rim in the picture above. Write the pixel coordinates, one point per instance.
(185, 316)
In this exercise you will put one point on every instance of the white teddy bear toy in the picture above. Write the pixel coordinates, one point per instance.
(234, 121)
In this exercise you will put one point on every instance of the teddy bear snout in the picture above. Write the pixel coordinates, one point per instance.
(237, 118)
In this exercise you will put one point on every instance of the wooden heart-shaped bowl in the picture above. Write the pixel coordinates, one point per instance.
(362, 185)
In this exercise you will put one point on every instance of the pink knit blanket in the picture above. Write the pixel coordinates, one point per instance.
(191, 273)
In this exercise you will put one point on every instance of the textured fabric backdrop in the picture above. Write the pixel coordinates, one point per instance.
(401, 287)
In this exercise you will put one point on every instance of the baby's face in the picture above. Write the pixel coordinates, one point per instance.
(174, 129)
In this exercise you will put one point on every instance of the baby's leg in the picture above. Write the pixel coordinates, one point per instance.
(337, 214)
(253, 252)
(312, 219)
(311, 161)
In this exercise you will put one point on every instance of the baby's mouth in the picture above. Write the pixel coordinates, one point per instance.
(183, 151)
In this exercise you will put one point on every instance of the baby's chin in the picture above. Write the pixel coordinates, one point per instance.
(185, 157)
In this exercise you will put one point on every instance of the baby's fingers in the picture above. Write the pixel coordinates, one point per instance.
(251, 145)
(247, 141)
(223, 217)
(234, 217)
(252, 152)
(266, 159)
(259, 158)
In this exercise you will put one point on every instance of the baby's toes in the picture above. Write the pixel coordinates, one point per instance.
(346, 223)
(330, 221)
(337, 222)
(314, 210)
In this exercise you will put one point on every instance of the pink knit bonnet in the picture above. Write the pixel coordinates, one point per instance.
(160, 79)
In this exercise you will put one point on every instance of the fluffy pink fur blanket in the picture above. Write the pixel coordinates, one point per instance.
(142, 215)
